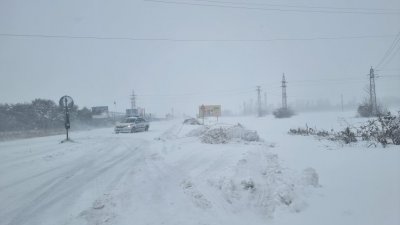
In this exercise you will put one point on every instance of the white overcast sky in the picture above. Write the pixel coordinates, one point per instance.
(183, 75)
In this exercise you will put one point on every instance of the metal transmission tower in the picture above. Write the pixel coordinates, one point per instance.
(259, 101)
(265, 101)
(372, 93)
(341, 100)
(133, 100)
(284, 97)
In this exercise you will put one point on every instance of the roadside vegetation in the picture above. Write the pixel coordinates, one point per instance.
(41, 117)
(384, 130)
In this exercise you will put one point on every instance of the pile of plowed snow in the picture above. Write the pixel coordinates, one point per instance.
(257, 183)
(222, 134)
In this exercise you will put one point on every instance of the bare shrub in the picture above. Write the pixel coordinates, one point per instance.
(283, 113)
(347, 136)
(383, 130)
(365, 110)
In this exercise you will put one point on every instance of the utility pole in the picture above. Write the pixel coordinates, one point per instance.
(133, 101)
(341, 100)
(284, 97)
(115, 110)
(259, 101)
(265, 101)
(251, 107)
(372, 93)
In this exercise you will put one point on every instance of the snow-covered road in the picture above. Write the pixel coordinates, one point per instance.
(42, 180)
(164, 177)
(152, 177)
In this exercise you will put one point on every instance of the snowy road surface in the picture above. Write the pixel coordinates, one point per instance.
(164, 177)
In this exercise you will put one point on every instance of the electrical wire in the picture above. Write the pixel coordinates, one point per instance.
(391, 57)
(271, 9)
(389, 51)
(274, 91)
(49, 36)
(299, 6)
(203, 93)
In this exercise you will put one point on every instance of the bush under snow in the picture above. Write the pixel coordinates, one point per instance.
(384, 130)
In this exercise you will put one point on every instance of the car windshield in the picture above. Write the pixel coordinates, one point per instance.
(129, 120)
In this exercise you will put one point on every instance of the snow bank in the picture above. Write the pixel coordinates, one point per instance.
(259, 183)
(310, 177)
(222, 134)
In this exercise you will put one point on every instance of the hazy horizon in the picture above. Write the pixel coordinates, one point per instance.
(183, 55)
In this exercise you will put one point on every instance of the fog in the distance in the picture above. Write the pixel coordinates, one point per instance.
(179, 56)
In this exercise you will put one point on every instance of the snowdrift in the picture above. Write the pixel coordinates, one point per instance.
(251, 179)
(222, 134)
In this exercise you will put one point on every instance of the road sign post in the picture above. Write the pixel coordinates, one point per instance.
(67, 103)
(209, 111)
(203, 109)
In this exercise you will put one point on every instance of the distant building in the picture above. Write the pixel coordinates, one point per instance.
(136, 112)
(100, 112)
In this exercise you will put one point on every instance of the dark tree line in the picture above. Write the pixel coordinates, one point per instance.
(40, 114)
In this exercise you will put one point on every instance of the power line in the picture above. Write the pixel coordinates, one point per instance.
(391, 57)
(300, 6)
(389, 51)
(250, 90)
(202, 93)
(116, 38)
(272, 9)
(329, 81)
(390, 75)
(388, 70)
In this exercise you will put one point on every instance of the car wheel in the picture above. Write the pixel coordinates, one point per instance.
(133, 130)
(146, 128)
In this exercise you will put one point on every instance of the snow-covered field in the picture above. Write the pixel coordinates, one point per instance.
(168, 176)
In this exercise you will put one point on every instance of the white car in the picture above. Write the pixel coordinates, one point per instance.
(131, 125)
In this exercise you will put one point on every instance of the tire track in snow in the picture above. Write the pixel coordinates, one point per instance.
(50, 170)
(66, 190)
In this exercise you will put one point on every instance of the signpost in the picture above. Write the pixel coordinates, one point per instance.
(209, 111)
(67, 103)
(202, 111)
